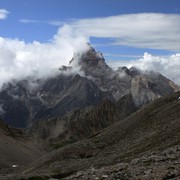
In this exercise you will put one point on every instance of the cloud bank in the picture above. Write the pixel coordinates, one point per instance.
(3, 14)
(168, 66)
(19, 60)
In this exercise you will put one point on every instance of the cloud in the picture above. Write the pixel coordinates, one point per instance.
(29, 21)
(3, 14)
(51, 22)
(141, 30)
(19, 60)
(144, 30)
(168, 66)
(122, 55)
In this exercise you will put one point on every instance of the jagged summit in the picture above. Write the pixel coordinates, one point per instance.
(133, 71)
(91, 62)
(88, 56)
(91, 58)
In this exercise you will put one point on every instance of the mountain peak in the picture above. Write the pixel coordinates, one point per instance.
(89, 61)
(89, 56)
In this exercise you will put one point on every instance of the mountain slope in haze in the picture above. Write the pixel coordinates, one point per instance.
(145, 134)
(86, 82)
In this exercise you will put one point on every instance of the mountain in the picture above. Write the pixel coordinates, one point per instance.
(143, 146)
(87, 81)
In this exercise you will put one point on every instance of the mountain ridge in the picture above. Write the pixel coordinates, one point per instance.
(86, 83)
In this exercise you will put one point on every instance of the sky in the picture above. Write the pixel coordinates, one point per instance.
(39, 35)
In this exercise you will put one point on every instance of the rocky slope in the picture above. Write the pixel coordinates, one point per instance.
(155, 165)
(146, 145)
(86, 82)
(83, 123)
(17, 150)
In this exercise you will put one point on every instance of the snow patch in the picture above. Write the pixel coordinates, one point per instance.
(14, 165)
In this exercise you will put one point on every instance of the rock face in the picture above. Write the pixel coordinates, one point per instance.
(87, 81)
(83, 123)
(54, 98)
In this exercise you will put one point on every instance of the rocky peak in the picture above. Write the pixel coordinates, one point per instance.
(134, 71)
(88, 56)
(90, 61)
(124, 70)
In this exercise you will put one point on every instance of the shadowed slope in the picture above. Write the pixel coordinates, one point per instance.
(17, 149)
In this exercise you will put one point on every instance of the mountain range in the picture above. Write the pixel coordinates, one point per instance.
(89, 121)
(87, 81)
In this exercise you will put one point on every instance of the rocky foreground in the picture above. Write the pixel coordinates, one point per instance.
(156, 165)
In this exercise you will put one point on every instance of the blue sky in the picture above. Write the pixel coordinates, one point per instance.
(32, 20)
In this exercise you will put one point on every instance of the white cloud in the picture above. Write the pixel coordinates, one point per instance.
(33, 21)
(144, 30)
(122, 55)
(29, 21)
(168, 66)
(3, 14)
(19, 59)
